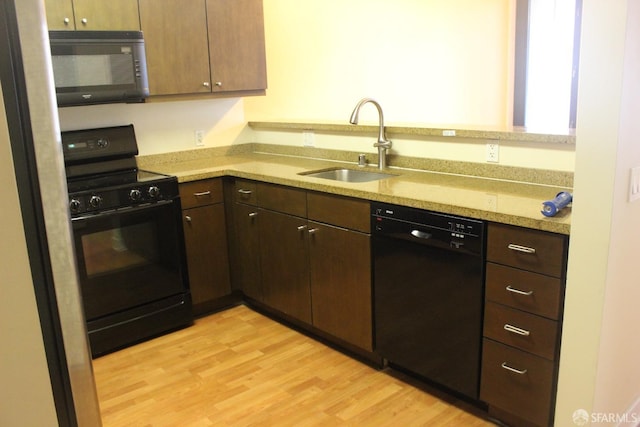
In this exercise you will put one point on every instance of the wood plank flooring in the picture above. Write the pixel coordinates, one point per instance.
(240, 368)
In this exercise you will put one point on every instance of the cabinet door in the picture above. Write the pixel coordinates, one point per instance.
(284, 264)
(246, 260)
(95, 15)
(207, 257)
(236, 39)
(176, 45)
(99, 15)
(59, 14)
(340, 268)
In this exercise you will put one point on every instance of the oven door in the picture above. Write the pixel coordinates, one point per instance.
(129, 257)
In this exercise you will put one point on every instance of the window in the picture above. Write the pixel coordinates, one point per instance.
(546, 63)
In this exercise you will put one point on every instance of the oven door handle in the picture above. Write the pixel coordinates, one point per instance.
(122, 211)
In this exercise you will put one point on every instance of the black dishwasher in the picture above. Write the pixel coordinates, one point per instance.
(428, 294)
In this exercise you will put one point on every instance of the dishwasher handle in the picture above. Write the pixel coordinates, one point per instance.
(421, 234)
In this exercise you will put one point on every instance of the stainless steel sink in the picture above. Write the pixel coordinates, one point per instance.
(347, 175)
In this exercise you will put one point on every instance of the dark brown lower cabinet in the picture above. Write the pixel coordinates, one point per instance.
(207, 257)
(284, 264)
(525, 279)
(307, 255)
(517, 382)
(340, 271)
(246, 243)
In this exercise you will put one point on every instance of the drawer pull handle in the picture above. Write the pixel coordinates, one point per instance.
(245, 192)
(518, 291)
(313, 231)
(202, 194)
(514, 370)
(302, 227)
(516, 330)
(523, 249)
(253, 214)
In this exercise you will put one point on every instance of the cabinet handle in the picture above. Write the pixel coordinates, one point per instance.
(314, 230)
(84, 21)
(187, 218)
(219, 84)
(202, 194)
(516, 330)
(302, 227)
(245, 192)
(514, 370)
(253, 214)
(523, 249)
(66, 21)
(206, 84)
(518, 291)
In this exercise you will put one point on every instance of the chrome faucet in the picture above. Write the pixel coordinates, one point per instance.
(383, 143)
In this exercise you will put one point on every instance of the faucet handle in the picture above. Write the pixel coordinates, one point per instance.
(385, 144)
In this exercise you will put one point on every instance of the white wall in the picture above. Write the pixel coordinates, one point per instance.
(618, 377)
(428, 62)
(166, 126)
(599, 371)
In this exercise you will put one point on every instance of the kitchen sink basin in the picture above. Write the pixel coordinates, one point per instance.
(348, 175)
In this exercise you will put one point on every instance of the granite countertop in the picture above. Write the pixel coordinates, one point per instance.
(510, 133)
(490, 199)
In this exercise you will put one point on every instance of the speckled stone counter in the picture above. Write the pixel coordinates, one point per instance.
(511, 133)
(500, 199)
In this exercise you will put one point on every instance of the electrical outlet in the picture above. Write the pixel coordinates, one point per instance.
(198, 136)
(491, 202)
(308, 139)
(493, 152)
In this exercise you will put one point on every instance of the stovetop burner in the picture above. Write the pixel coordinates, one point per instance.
(132, 177)
(102, 173)
(124, 190)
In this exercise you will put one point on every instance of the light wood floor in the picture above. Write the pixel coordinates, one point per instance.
(240, 368)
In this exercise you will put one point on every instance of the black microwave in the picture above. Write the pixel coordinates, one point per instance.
(98, 67)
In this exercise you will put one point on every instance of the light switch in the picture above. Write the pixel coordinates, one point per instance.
(634, 184)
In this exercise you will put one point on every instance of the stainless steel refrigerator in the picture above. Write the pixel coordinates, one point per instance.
(45, 362)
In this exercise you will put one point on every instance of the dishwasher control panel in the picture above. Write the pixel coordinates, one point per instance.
(427, 227)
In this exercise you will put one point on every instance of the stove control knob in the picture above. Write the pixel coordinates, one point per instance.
(95, 201)
(74, 205)
(135, 195)
(154, 192)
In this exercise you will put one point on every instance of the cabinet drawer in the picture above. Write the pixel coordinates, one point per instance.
(524, 290)
(340, 211)
(245, 191)
(528, 249)
(292, 201)
(525, 331)
(517, 382)
(201, 193)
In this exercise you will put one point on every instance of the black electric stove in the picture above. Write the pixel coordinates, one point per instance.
(129, 240)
